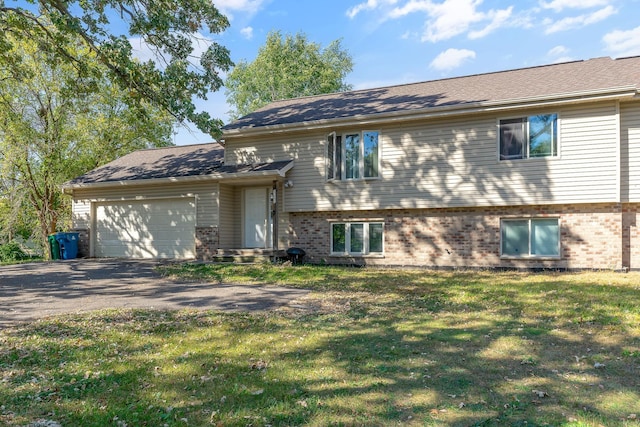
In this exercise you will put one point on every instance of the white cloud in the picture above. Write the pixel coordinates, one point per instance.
(559, 54)
(368, 5)
(452, 17)
(559, 5)
(411, 7)
(247, 33)
(579, 21)
(410, 35)
(558, 50)
(445, 18)
(452, 58)
(623, 43)
(227, 7)
(498, 20)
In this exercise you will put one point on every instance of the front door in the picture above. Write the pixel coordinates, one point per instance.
(257, 224)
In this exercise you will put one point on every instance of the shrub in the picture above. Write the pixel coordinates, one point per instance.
(11, 252)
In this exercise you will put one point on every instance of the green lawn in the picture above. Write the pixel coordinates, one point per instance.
(366, 347)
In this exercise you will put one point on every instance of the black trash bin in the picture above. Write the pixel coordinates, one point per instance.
(68, 244)
(296, 255)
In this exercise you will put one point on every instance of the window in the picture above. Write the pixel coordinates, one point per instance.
(527, 137)
(359, 238)
(353, 155)
(370, 157)
(535, 237)
(334, 156)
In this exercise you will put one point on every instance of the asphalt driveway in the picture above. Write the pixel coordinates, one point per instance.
(33, 291)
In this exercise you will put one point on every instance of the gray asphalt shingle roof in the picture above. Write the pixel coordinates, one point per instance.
(170, 162)
(599, 74)
(543, 81)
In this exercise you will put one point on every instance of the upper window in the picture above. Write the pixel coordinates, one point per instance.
(535, 237)
(353, 155)
(526, 137)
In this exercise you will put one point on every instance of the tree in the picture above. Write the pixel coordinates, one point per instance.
(169, 28)
(56, 123)
(287, 67)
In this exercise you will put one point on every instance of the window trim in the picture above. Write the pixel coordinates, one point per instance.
(529, 222)
(365, 239)
(337, 162)
(528, 157)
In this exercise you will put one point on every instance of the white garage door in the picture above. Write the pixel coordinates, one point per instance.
(146, 229)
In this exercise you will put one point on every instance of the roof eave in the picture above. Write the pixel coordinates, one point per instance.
(275, 173)
(621, 92)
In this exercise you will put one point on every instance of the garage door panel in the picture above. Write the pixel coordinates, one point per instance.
(146, 229)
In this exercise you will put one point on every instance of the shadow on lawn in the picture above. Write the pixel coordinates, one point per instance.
(447, 353)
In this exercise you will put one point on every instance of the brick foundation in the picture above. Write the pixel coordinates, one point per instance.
(593, 236)
(207, 242)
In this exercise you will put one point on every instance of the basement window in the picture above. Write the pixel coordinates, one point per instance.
(357, 238)
(533, 237)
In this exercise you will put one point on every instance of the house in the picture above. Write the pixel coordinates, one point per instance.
(530, 168)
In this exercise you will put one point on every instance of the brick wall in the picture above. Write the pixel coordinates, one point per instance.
(630, 236)
(599, 236)
(207, 242)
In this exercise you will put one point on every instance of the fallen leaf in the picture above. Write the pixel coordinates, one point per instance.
(259, 365)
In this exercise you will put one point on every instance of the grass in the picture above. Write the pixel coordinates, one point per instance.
(366, 347)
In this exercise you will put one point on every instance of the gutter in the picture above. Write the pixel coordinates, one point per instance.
(628, 91)
(275, 173)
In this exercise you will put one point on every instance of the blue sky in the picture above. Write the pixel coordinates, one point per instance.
(402, 41)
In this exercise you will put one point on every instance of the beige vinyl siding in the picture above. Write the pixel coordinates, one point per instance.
(454, 163)
(630, 151)
(239, 216)
(229, 218)
(206, 194)
(81, 214)
(283, 220)
(268, 149)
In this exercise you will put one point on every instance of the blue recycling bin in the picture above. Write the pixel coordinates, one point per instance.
(68, 244)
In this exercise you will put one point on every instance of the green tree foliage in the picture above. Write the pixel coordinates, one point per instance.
(12, 252)
(287, 67)
(55, 124)
(172, 29)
